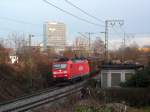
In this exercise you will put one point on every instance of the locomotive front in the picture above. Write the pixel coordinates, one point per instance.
(70, 70)
(60, 70)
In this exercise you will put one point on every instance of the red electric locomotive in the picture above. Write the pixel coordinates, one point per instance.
(70, 69)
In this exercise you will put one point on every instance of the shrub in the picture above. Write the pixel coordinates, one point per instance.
(140, 79)
(93, 109)
(131, 96)
(92, 83)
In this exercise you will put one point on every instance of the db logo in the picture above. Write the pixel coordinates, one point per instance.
(80, 68)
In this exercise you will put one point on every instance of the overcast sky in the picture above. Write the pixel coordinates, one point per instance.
(135, 13)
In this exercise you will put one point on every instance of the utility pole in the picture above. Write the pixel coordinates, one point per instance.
(111, 23)
(106, 40)
(124, 40)
(45, 33)
(89, 39)
(124, 46)
(30, 36)
(30, 60)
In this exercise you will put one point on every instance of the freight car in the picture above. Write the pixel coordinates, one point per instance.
(94, 65)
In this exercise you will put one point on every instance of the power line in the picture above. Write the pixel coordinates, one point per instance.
(10, 30)
(67, 12)
(88, 14)
(135, 33)
(119, 33)
(18, 21)
(13, 30)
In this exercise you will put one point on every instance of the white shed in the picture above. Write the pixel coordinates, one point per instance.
(113, 74)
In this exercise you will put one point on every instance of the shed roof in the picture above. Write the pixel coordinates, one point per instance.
(121, 66)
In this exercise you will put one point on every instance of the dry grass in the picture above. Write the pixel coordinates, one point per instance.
(143, 109)
(24, 77)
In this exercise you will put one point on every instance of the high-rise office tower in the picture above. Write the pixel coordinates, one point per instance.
(55, 35)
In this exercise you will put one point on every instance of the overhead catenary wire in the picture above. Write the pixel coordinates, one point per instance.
(75, 16)
(88, 14)
(19, 21)
(119, 33)
(19, 31)
(11, 30)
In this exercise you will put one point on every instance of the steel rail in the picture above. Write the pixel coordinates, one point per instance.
(33, 101)
(29, 95)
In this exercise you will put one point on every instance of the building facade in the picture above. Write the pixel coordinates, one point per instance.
(55, 35)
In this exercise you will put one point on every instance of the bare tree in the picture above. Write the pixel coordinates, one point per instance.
(98, 47)
(3, 54)
(129, 53)
(19, 41)
(81, 46)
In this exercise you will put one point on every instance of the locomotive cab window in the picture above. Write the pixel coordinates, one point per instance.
(59, 66)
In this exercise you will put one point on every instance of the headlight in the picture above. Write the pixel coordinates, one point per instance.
(65, 75)
(54, 72)
(54, 76)
(65, 72)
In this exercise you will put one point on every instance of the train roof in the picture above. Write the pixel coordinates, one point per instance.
(75, 59)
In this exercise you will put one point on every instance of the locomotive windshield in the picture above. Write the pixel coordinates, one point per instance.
(59, 66)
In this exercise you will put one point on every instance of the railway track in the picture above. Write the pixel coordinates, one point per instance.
(40, 98)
